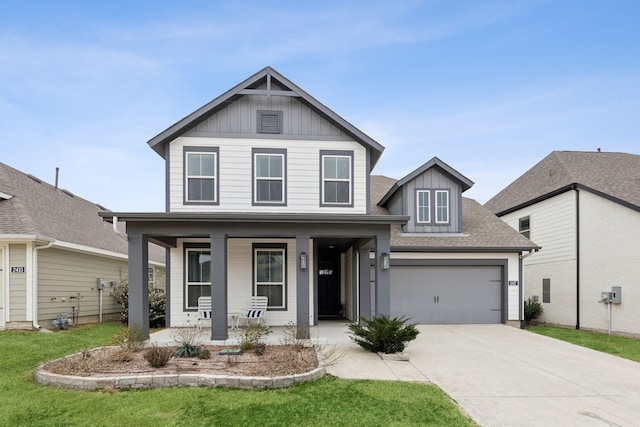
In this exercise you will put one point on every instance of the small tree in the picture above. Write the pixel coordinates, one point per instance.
(382, 334)
(532, 310)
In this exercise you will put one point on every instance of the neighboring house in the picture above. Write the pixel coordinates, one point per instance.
(269, 192)
(583, 209)
(53, 249)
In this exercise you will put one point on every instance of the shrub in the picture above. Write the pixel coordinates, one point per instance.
(157, 303)
(251, 334)
(532, 310)
(382, 334)
(157, 357)
(128, 339)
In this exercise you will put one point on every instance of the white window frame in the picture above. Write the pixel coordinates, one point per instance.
(526, 232)
(282, 283)
(418, 207)
(348, 180)
(214, 177)
(446, 206)
(256, 178)
(188, 283)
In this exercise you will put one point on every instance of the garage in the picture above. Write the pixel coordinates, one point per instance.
(447, 294)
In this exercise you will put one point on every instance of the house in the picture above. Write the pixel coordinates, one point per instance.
(270, 193)
(583, 209)
(55, 255)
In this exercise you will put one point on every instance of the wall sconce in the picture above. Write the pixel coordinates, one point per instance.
(303, 260)
(386, 261)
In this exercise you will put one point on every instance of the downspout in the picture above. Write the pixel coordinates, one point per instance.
(35, 323)
(521, 278)
(575, 188)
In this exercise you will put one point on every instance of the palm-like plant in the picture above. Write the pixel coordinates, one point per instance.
(382, 334)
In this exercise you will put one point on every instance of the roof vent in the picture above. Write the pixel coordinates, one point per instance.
(269, 121)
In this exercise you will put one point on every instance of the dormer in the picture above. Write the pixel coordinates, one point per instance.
(431, 196)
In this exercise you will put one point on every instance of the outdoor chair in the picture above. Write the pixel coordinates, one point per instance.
(256, 312)
(204, 309)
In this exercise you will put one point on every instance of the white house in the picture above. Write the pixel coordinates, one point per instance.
(583, 209)
(270, 193)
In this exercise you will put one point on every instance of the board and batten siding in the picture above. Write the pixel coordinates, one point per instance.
(513, 292)
(241, 117)
(63, 276)
(239, 280)
(235, 175)
(609, 256)
(18, 283)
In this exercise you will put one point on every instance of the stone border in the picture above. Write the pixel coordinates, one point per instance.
(172, 380)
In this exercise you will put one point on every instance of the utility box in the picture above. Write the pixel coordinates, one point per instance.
(616, 294)
(606, 297)
(100, 283)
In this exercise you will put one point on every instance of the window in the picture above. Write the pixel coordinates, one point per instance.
(201, 175)
(269, 177)
(546, 290)
(337, 170)
(423, 206)
(151, 272)
(269, 270)
(269, 121)
(442, 206)
(524, 226)
(198, 276)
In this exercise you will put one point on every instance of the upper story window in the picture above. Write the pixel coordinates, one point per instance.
(269, 176)
(524, 226)
(337, 178)
(442, 206)
(269, 121)
(201, 175)
(423, 206)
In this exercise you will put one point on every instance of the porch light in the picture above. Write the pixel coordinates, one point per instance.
(385, 261)
(303, 260)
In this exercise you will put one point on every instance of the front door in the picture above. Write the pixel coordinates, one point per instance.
(328, 285)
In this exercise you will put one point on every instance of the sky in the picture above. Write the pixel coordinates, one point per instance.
(490, 87)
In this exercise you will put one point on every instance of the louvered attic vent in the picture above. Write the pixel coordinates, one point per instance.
(269, 121)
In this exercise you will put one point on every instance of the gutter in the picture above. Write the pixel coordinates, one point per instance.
(34, 269)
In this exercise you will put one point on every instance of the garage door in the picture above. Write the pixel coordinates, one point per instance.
(447, 294)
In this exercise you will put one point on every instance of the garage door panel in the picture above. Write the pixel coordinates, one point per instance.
(447, 294)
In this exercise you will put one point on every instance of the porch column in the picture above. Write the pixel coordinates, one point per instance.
(219, 286)
(383, 277)
(365, 283)
(139, 284)
(302, 287)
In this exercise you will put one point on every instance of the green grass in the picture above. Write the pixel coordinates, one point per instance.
(326, 402)
(629, 348)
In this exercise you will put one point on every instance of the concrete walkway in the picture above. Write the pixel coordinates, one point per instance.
(499, 375)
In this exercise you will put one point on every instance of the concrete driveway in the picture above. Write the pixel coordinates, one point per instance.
(503, 376)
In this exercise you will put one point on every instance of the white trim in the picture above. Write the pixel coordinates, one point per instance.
(268, 178)
(186, 275)
(282, 283)
(348, 180)
(428, 220)
(4, 281)
(213, 177)
(29, 278)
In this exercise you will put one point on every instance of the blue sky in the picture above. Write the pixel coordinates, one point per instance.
(490, 87)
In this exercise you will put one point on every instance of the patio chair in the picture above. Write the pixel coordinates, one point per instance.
(256, 312)
(204, 308)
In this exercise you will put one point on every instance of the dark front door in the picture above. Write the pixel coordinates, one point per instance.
(328, 286)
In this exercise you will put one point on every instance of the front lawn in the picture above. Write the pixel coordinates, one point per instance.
(329, 401)
(629, 348)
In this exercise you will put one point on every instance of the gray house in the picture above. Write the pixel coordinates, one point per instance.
(583, 208)
(270, 193)
(54, 248)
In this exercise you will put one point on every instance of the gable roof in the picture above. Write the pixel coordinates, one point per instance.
(615, 176)
(482, 231)
(249, 86)
(465, 182)
(39, 210)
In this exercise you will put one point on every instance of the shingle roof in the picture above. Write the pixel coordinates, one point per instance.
(39, 209)
(616, 175)
(481, 229)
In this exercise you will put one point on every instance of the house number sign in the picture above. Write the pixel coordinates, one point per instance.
(513, 283)
(17, 269)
